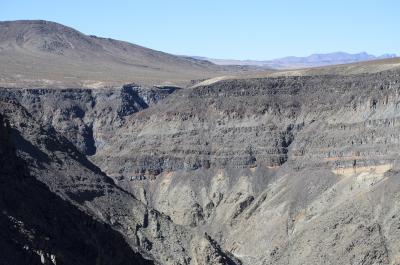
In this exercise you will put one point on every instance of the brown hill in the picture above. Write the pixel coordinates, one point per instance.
(42, 53)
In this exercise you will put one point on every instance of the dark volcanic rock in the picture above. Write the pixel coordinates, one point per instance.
(38, 227)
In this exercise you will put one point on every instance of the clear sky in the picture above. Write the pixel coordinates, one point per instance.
(238, 29)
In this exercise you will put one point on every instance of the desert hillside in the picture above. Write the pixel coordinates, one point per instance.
(47, 54)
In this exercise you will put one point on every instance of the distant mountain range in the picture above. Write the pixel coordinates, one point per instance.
(313, 60)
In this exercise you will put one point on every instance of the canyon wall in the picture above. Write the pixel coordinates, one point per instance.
(287, 170)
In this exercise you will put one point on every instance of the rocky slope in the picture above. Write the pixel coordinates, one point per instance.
(91, 201)
(286, 170)
(86, 116)
(290, 170)
(34, 231)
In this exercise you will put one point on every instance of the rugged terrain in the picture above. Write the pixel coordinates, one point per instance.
(57, 207)
(34, 231)
(286, 170)
(294, 167)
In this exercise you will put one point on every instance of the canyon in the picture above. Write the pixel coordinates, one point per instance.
(266, 168)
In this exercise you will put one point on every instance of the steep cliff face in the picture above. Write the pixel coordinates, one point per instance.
(86, 117)
(295, 170)
(288, 170)
(241, 123)
(38, 227)
(89, 198)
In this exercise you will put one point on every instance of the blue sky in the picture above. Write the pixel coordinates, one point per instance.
(239, 29)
